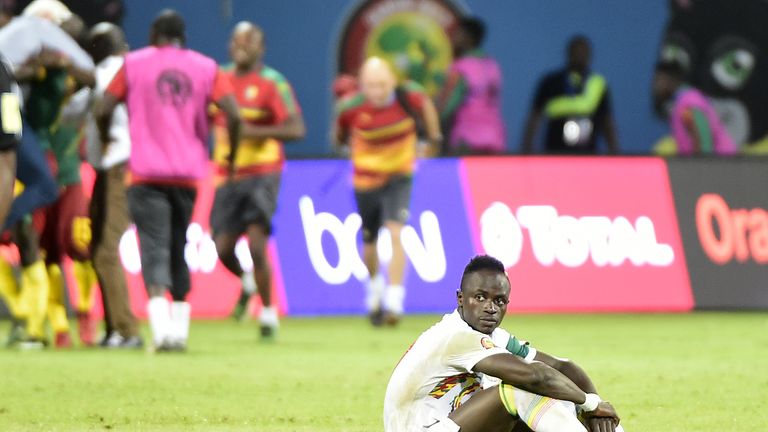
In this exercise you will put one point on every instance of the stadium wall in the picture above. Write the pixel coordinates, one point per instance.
(576, 234)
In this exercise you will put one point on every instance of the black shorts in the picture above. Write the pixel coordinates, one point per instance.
(389, 203)
(250, 201)
(8, 143)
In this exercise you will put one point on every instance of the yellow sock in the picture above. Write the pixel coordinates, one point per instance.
(85, 276)
(35, 289)
(57, 311)
(9, 290)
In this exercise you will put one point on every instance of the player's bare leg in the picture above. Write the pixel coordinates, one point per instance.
(262, 273)
(484, 412)
(375, 285)
(7, 179)
(225, 247)
(394, 295)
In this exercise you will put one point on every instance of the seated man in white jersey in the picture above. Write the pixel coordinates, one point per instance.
(466, 374)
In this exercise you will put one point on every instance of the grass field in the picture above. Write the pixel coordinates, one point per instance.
(696, 372)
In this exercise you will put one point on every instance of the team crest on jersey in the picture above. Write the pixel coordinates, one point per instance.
(364, 118)
(251, 92)
(487, 343)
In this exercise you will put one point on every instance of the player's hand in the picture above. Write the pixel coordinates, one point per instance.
(603, 419)
(601, 424)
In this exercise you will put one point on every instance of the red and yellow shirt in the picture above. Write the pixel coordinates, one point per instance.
(382, 139)
(265, 98)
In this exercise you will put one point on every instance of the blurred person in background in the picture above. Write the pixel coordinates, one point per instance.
(10, 133)
(576, 102)
(167, 89)
(48, 62)
(248, 176)
(469, 103)
(109, 208)
(66, 226)
(379, 124)
(696, 127)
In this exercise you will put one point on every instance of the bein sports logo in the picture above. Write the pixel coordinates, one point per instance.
(199, 252)
(571, 241)
(427, 255)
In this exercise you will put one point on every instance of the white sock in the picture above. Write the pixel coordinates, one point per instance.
(180, 312)
(374, 290)
(249, 282)
(393, 299)
(269, 316)
(159, 319)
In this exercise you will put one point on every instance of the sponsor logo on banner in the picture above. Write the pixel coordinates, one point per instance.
(320, 223)
(411, 34)
(580, 234)
(723, 211)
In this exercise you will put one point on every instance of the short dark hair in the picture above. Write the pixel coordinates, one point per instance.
(475, 29)
(169, 24)
(481, 263)
(671, 68)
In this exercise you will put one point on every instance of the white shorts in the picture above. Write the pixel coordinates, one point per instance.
(441, 425)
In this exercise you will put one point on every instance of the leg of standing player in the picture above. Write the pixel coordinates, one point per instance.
(369, 208)
(109, 218)
(75, 235)
(35, 286)
(182, 205)
(227, 229)
(7, 180)
(151, 211)
(395, 206)
(262, 272)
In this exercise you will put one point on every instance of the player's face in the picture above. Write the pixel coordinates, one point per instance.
(378, 87)
(483, 301)
(580, 56)
(246, 48)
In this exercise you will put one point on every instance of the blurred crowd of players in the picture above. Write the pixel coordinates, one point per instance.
(141, 119)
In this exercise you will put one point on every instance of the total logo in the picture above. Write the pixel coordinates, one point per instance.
(427, 254)
(570, 241)
(199, 252)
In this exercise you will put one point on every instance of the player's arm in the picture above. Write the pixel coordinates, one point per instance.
(432, 126)
(535, 115)
(699, 130)
(290, 129)
(609, 124)
(451, 96)
(341, 126)
(531, 126)
(539, 378)
(568, 368)
(290, 124)
(223, 96)
(115, 93)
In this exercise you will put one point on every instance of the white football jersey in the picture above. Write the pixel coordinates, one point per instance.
(435, 376)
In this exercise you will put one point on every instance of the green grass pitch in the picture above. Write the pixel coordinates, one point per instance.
(691, 372)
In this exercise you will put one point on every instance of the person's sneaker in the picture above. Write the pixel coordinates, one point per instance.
(132, 342)
(86, 326)
(240, 311)
(16, 334)
(32, 344)
(391, 319)
(170, 346)
(114, 340)
(376, 318)
(268, 333)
